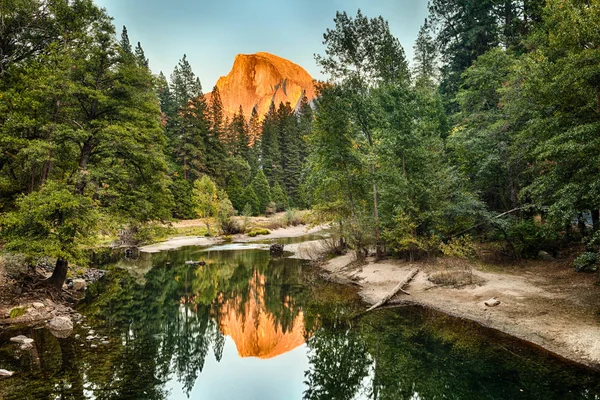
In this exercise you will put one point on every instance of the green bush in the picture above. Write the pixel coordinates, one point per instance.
(586, 262)
(531, 238)
(258, 231)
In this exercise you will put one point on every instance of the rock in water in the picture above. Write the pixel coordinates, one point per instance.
(60, 327)
(276, 250)
(79, 284)
(493, 302)
(5, 374)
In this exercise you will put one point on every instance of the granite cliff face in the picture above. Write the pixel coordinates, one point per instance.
(257, 79)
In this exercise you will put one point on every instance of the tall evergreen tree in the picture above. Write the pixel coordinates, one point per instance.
(260, 185)
(125, 43)
(270, 155)
(141, 56)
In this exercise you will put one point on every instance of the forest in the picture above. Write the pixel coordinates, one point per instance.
(490, 134)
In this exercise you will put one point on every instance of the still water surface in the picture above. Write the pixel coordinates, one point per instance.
(245, 326)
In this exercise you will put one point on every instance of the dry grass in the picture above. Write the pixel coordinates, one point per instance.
(454, 272)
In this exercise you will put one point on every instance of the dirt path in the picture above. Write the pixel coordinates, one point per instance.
(545, 303)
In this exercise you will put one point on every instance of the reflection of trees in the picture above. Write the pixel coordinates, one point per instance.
(339, 365)
(164, 325)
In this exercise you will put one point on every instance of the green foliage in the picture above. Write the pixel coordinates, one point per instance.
(206, 197)
(261, 188)
(17, 312)
(53, 222)
(183, 199)
(279, 197)
(532, 238)
(251, 202)
(258, 231)
(587, 262)
(460, 247)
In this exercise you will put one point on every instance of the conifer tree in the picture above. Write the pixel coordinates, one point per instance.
(270, 159)
(125, 43)
(141, 56)
(279, 197)
(260, 185)
(251, 199)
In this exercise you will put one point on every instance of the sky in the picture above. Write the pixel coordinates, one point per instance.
(212, 32)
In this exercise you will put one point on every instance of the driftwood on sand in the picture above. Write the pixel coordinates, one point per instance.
(398, 288)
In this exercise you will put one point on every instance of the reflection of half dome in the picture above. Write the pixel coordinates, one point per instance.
(255, 332)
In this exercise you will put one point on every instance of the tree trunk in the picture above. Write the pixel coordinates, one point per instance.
(59, 275)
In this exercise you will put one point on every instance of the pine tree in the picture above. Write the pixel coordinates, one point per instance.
(125, 44)
(260, 185)
(270, 159)
(235, 192)
(289, 144)
(254, 133)
(239, 136)
(217, 120)
(425, 70)
(188, 127)
(250, 198)
(92, 151)
(141, 56)
(279, 197)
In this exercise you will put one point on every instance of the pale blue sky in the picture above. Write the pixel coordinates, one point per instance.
(211, 33)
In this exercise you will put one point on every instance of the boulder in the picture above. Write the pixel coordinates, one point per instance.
(37, 304)
(26, 346)
(60, 327)
(545, 256)
(79, 284)
(5, 374)
(493, 302)
(276, 249)
(21, 339)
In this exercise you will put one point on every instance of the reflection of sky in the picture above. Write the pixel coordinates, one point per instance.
(250, 378)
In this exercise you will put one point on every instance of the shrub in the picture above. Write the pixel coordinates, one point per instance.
(461, 247)
(586, 262)
(13, 264)
(258, 231)
(531, 238)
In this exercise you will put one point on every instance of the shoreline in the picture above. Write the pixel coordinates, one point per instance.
(533, 308)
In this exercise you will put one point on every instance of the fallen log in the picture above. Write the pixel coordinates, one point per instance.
(398, 288)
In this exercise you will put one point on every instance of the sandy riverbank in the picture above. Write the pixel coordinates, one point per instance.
(183, 241)
(545, 303)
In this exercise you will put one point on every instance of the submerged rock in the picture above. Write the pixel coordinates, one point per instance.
(276, 249)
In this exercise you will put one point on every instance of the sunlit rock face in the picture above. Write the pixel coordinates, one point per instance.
(257, 79)
(254, 330)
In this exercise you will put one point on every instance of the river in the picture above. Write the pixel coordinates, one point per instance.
(246, 326)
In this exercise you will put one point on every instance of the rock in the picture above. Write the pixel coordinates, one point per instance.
(256, 80)
(5, 374)
(90, 337)
(60, 327)
(38, 305)
(21, 339)
(26, 346)
(276, 249)
(195, 263)
(93, 346)
(79, 284)
(545, 256)
(77, 336)
(105, 342)
(493, 302)
(91, 332)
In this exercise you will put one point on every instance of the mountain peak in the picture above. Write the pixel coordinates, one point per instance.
(256, 80)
